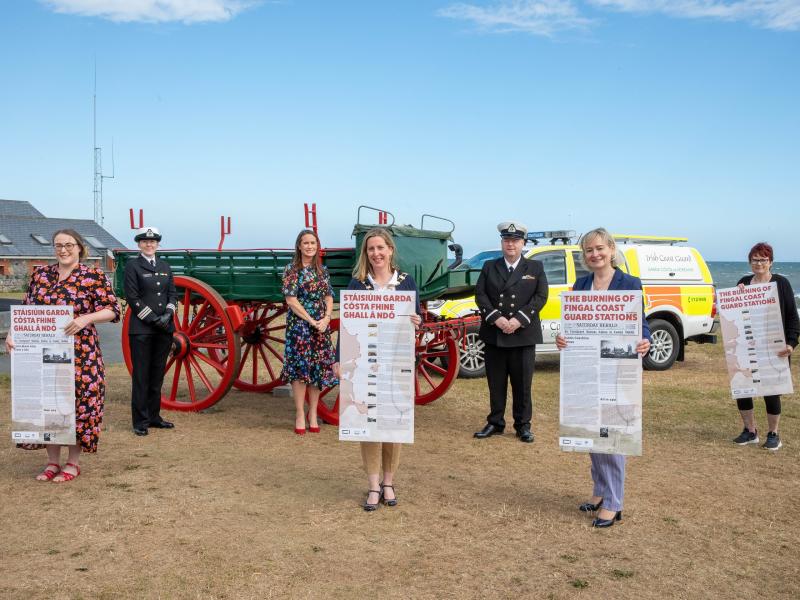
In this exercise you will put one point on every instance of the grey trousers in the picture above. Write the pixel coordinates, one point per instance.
(608, 474)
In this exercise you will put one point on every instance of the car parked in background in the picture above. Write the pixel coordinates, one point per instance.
(679, 294)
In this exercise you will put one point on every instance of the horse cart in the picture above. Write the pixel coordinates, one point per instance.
(230, 321)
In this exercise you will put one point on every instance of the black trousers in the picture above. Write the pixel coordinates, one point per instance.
(515, 365)
(149, 354)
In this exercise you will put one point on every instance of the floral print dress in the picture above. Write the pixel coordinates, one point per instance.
(308, 354)
(87, 290)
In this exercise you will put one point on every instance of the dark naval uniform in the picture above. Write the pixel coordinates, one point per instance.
(520, 295)
(150, 292)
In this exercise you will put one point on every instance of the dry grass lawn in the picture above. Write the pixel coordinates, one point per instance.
(232, 504)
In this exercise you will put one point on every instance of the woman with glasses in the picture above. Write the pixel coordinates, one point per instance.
(761, 256)
(70, 282)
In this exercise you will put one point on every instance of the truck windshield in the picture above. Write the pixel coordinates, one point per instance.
(476, 262)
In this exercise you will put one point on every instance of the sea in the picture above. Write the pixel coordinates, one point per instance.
(726, 274)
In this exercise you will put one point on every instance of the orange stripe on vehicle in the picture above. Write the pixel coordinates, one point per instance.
(662, 295)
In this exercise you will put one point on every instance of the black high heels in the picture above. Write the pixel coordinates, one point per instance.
(607, 522)
(371, 507)
(385, 500)
(589, 507)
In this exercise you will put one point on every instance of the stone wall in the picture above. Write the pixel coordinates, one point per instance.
(15, 274)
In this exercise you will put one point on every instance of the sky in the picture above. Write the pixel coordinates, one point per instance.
(672, 118)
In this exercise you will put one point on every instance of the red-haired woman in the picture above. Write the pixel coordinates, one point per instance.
(70, 282)
(761, 257)
(308, 355)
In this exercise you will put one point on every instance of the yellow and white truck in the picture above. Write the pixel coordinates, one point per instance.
(678, 290)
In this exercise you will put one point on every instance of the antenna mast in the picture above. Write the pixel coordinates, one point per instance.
(98, 159)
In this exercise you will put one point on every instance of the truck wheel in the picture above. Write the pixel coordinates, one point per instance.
(472, 360)
(664, 346)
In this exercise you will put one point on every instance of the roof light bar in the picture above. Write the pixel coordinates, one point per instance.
(562, 235)
(649, 239)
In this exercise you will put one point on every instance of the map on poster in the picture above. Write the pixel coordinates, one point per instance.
(376, 360)
(601, 373)
(752, 335)
(42, 375)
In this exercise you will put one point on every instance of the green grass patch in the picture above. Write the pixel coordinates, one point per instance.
(621, 574)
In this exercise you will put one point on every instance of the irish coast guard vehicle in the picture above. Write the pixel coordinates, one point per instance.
(678, 290)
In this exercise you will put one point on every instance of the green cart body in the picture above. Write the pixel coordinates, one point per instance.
(230, 324)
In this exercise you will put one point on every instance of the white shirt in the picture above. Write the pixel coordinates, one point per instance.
(390, 285)
(510, 265)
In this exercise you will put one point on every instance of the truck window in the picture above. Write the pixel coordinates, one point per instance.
(577, 259)
(555, 266)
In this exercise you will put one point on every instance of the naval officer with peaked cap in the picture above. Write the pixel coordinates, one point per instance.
(510, 293)
(152, 298)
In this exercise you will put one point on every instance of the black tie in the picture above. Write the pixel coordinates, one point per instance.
(152, 263)
(510, 269)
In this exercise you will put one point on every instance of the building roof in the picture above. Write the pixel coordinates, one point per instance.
(18, 208)
(24, 231)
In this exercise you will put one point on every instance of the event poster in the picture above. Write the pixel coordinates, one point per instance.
(42, 376)
(601, 372)
(752, 334)
(376, 360)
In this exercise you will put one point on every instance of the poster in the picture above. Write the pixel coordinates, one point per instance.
(601, 373)
(752, 335)
(42, 376)
(376, 359)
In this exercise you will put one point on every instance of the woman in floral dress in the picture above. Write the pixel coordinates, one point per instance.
(69, 282)
(308, 353)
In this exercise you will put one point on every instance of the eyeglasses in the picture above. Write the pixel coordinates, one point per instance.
(68, 247)
(759, 261)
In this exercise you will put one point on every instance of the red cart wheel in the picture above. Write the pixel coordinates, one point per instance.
(263, 338)
(195, 378)
(433, 380)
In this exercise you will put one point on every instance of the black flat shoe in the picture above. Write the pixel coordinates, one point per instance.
(589, 507)
(526, 435)
(607, 522)
(385, 500)
(163, 425)
(487, 431)
(371, 507)
(140, 431)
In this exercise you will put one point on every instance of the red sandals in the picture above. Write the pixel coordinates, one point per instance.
(66, 475)
(48, 474)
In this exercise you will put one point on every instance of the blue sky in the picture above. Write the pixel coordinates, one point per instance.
(644, 116)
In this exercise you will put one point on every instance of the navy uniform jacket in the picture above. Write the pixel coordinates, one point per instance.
(620, 281)
(150, 292)
(520, 294)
